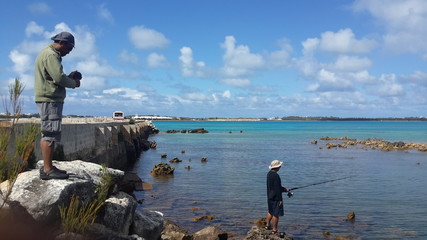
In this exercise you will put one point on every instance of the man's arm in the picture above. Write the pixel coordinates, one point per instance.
(54, 68)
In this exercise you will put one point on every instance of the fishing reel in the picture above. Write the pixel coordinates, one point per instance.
(290, 194)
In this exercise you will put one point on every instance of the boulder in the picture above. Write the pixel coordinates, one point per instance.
(119, 212)
(147, 224)
(171, 231)
(162, 169)
(210, 233)
(42, 199)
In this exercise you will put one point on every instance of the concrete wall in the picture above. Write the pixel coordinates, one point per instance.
(116, 144)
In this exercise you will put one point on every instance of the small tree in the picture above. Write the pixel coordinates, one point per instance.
(16, 140)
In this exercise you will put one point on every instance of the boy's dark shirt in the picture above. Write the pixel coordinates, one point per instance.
(274, 186)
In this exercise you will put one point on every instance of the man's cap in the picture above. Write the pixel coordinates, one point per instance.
(64, 36)
(275, 164)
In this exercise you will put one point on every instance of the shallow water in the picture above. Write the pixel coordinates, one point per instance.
(386, 189)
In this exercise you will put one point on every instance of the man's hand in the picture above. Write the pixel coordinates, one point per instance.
(77, 83)
(76, 75)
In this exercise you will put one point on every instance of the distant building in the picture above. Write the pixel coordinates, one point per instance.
(118, 116)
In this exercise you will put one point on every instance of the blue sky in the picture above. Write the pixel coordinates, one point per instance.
(342, 58)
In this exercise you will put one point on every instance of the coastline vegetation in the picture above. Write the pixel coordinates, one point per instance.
(79, 215)
(16, 141)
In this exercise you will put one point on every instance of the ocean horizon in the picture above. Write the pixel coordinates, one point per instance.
(384, 189)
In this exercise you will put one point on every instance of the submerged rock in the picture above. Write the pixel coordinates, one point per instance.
(175, 160)
(351, 216)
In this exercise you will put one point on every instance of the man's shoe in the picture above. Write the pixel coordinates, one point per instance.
(54, 168)
(54, 174)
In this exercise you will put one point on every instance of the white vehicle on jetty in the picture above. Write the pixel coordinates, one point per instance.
(118, 116)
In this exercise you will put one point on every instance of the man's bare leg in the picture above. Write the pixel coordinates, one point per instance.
(47, 148)
(275, 223)
(268, 220)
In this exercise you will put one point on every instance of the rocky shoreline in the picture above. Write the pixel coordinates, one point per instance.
(32, 209)
(371, 143)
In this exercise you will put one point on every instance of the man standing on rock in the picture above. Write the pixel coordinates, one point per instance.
(49, 90)
(274, 196)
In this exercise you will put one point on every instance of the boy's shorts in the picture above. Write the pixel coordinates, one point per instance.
(51, 119)
(275, 209)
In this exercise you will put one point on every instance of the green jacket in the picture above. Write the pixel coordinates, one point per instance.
(50, 81)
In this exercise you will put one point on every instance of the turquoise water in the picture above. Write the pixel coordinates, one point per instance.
(386, 189)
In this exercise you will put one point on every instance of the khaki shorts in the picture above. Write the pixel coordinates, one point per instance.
(51, 120)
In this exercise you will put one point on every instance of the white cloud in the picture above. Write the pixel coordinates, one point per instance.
(238, 60)
(94, 66)
(237, 82)
(310, 46)
(144, 38)
(226, 94)
(330, 81)
(404, 23)
(362, 77)
(155, 60)
(126, 57)
(195, 96)
(388, 86)
(345, 42)
(33, 28)
(92, 82)
(282, 57)
(126, 93)
(40, 8)
(104, 14)
(22, 62)
(351, 63)
(188, 66)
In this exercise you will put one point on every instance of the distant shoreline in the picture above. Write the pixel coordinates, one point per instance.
(294, 119)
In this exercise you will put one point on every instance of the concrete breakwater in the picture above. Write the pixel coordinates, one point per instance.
(101, 141)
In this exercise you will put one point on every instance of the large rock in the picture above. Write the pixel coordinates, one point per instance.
(210, 233)
(147, 224)
(171, 231)
(42, 198)
(119, 212)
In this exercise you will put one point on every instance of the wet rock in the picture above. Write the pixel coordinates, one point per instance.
(351, 216)
(171, 231)
(204, 159)
(147, 224)
(375, 143)
(260, 233)
(210, 233)
(198, 130)
(163, 156)
(172, 131)
(187, 167)
(207, 217)
(314, 142)
(175, 160)
(162, 169)
(130, 182)
(119, 212)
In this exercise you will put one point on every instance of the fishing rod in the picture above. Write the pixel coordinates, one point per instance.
(290, 194)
